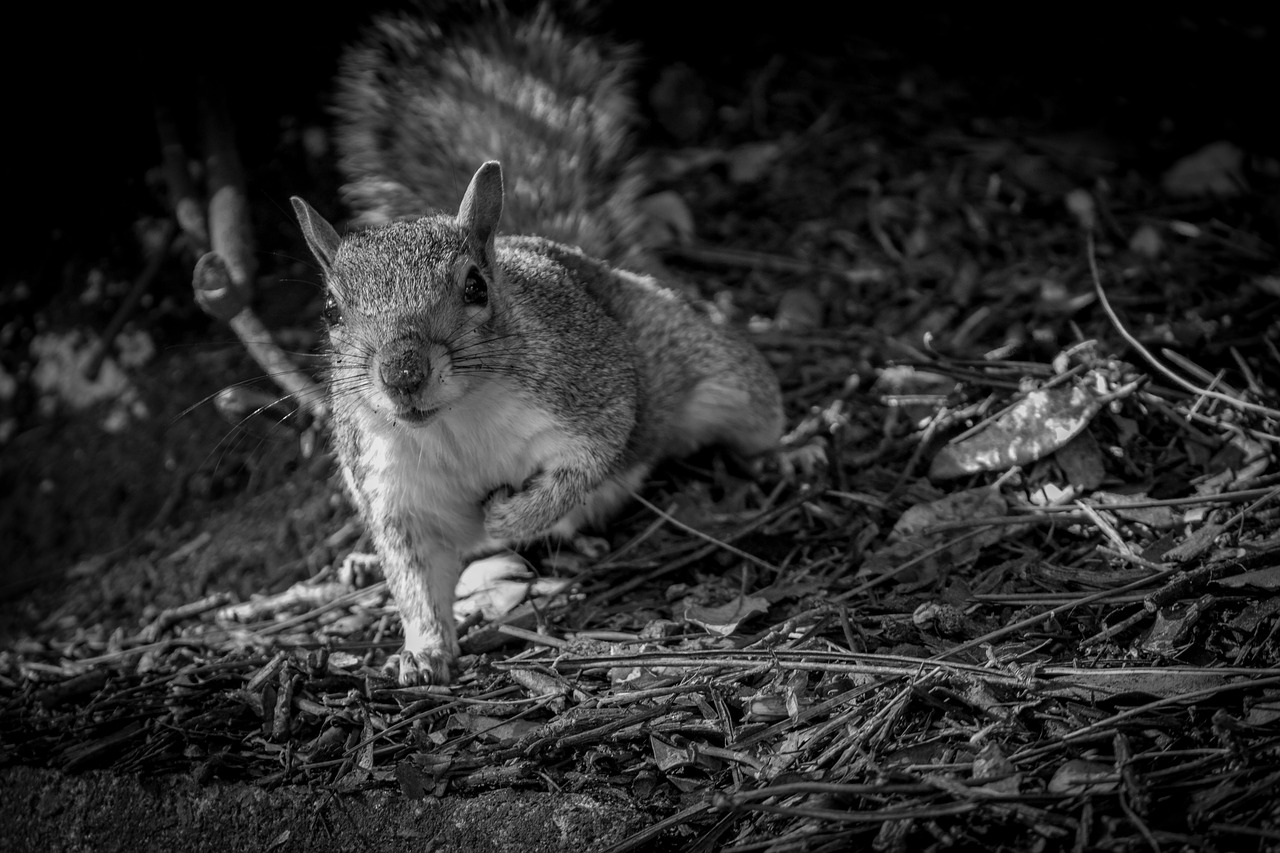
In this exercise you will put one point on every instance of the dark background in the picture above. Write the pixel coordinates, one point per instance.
(83, 84)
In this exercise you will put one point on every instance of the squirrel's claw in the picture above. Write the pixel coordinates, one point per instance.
(412, 669)
(803, 462)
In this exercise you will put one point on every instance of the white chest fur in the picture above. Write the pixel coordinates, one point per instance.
(435, 477)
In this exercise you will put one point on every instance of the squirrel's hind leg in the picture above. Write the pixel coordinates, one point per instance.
(739, 409)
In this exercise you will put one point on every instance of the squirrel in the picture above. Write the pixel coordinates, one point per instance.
(488, 389)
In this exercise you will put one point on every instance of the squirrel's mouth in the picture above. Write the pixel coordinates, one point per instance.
(416, 417)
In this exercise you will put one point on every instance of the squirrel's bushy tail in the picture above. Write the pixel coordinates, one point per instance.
(422, 101)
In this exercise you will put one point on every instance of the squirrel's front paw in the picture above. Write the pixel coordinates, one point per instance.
(803, 462)
(420, 668)
(497, 511)
(502, 519)
(508, 516)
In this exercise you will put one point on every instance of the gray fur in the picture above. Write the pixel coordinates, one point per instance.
(418, 107)
(464, 424)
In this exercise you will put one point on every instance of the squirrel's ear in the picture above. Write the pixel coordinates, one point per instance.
(320, 235)
(482, 205)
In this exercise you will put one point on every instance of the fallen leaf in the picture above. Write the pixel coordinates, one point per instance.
(943, 619)
(669, 755)
(910, 535)
(413, 782)
(1083, 777)
(914, 524)
(1257, 612)
(1172, 628)
(1266, 712)
(1268, 579)
(1037, 425)
(1142, 684)
(1159, 517)
(777, 759)
(723, 619)
(991, 763)
(538, 683)
(1082, 462)
(494, 729)
(1215, 169)
(497, 585)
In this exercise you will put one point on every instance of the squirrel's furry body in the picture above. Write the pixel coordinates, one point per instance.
(488, 391)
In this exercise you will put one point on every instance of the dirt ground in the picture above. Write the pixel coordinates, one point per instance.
(147, 499)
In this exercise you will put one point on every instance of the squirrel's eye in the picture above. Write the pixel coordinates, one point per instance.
(475, 291)
(332, 312)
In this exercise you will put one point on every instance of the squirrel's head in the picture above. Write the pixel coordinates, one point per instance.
(414, 307)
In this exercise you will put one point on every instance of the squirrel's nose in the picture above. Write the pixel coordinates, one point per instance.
(404, 373)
